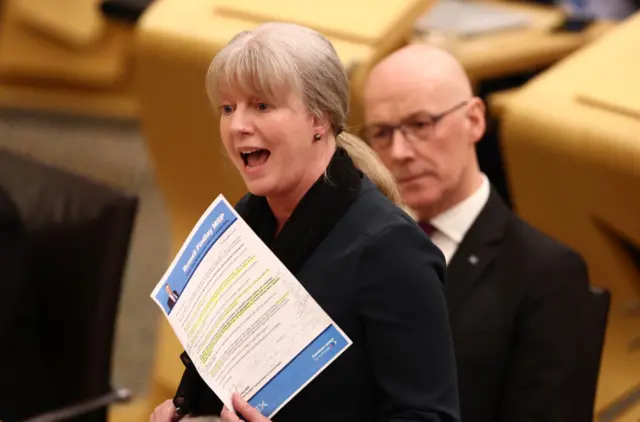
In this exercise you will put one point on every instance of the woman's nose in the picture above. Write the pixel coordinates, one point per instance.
(241, 122)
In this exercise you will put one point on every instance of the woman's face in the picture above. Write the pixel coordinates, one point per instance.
(271, 145)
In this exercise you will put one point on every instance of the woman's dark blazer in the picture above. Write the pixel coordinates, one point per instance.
(380, 279)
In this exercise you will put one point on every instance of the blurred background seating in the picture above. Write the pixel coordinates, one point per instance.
(65, 56)
(113, 91)
(573, 157)
(516, 41)
(77, 243)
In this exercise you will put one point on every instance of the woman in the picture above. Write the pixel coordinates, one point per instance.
(324, 204)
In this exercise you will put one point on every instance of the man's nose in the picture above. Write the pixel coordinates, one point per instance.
(401, 149)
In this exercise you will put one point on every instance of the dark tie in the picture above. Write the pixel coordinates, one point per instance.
(427, 227)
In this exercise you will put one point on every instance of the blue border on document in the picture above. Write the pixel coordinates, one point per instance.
(299, 371)
(214, 225)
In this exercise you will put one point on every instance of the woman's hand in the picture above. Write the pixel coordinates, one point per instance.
(245, 409)
(165, 412)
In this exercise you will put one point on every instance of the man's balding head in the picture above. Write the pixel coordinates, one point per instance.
(421, 66)
(426, 89)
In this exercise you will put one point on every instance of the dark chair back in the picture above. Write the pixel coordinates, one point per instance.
(78, 240)
(600, 303)
(124, 10)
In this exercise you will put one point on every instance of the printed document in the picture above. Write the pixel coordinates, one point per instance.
(245, 321)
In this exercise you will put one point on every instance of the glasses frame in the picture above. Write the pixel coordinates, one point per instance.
(407, 132)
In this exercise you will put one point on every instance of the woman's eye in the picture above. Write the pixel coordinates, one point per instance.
(226, 109)
(263, 106)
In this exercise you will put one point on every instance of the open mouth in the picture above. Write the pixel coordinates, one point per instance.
(255, 157)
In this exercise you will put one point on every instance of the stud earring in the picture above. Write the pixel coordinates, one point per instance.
(317, 137)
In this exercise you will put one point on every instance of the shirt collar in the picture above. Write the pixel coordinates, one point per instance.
(455, 222)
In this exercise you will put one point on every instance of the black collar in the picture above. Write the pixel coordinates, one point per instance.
(314, 217)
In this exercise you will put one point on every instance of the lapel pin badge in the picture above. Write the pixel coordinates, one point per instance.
(473, 260)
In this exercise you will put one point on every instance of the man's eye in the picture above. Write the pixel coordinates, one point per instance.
(419, 124)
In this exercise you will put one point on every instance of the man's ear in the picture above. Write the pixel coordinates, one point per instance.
(477, 119)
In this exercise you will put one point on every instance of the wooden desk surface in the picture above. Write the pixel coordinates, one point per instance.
(76, 23)
(39, 72)
(118, 102)
(516, 50)
(614, 84)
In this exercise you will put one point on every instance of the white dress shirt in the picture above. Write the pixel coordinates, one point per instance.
(452, 225)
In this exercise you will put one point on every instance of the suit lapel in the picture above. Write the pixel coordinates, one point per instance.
(478, 249)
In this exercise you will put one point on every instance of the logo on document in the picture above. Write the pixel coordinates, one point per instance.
(261, 406)
(324, 349)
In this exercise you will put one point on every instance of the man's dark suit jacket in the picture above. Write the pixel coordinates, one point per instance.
(519, 308)
(170, 301)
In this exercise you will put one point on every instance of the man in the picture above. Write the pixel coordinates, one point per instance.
(172, 296)
(518, 300)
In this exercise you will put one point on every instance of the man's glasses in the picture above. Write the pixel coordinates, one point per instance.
(417, 127)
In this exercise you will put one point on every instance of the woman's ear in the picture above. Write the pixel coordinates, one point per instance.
(321, 125)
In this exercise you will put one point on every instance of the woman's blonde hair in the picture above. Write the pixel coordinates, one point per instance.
(276, 57)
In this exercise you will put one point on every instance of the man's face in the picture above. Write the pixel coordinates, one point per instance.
(167, 288)
(428, 155)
